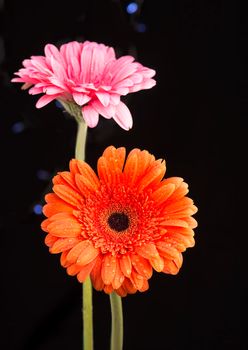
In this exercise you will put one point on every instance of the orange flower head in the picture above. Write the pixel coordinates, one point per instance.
(120, 225)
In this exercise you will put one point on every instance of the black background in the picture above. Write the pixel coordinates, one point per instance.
(189, 118)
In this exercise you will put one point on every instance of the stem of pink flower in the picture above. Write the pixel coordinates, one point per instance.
(87, 310)
(117, 322)
(81, 140)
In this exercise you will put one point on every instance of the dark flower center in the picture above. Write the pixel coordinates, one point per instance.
(118, 221)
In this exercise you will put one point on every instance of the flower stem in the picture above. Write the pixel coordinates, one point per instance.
(87, 315)
(87, 310)
(81, 140)
(117, 322)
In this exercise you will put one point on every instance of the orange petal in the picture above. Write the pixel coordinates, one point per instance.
(121, 291)
(157, 263)
(115, 157)
(44, 225)
(89, 253)
(50, 240)
(65, 228)
(155, 174)
(52, 198)
(175, 222)
(84, 185)
(119, 277)
(104, 171)
(73, 269)
(108, 268)
(85, 271)
(179, 260)
(62, 216)
(54, 208)
(137, 279)
(184, 212)
(163, 193)
(180, 192)
(128, 285)
(125, 265)
(145, 159)
(64, 178)
(131, 168)
(96, 274)
(173, 180)
(147, 250)
(76, 251)
(142, 266)
(191, 222)
(186, 241)
(171, 267)
(180, 204)
(181, 230)
(68, 194)
(145, 286)
(63, 259)
(88, 173)
(63, 244)
(73, 165)
(108, 289)
(166, 250)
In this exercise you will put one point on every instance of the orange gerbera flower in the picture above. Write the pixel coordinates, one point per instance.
(120, 225)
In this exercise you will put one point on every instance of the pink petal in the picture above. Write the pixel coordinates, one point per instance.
(123, 116)
(124, 83)
(52, 51)
(58, 69)
(34, 90)
(107, 112)
(17, 80)
(103, 97)
(90, 116)
(114, 99)
(146, 72)
(52, 90)
(44, 100)
(123, 72)
(147, 84)
(81, 99)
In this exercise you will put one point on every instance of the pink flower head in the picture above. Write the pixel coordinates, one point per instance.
(87, 75)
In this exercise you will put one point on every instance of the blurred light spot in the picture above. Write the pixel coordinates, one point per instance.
(132, 7)
(141, 27)
(58, 104)
(18, 127)
(43, 174)
(37, 209)
(2, 50)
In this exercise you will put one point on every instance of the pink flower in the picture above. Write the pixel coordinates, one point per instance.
(87, 76)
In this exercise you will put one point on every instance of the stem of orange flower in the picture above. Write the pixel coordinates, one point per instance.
(87, 310)
(117, 322)
(87, 313)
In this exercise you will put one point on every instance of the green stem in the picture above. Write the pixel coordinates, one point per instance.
(81, 140)
(117, 322)
(87, 310)
(87, 315)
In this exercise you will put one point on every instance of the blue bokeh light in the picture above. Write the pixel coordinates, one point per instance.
(132, 7)
(43, 174)
(58, 104)
(141, 27)
(17, 127)
(37, 209)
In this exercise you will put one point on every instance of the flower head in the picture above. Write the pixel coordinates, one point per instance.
(120, 225)
(86, 76)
